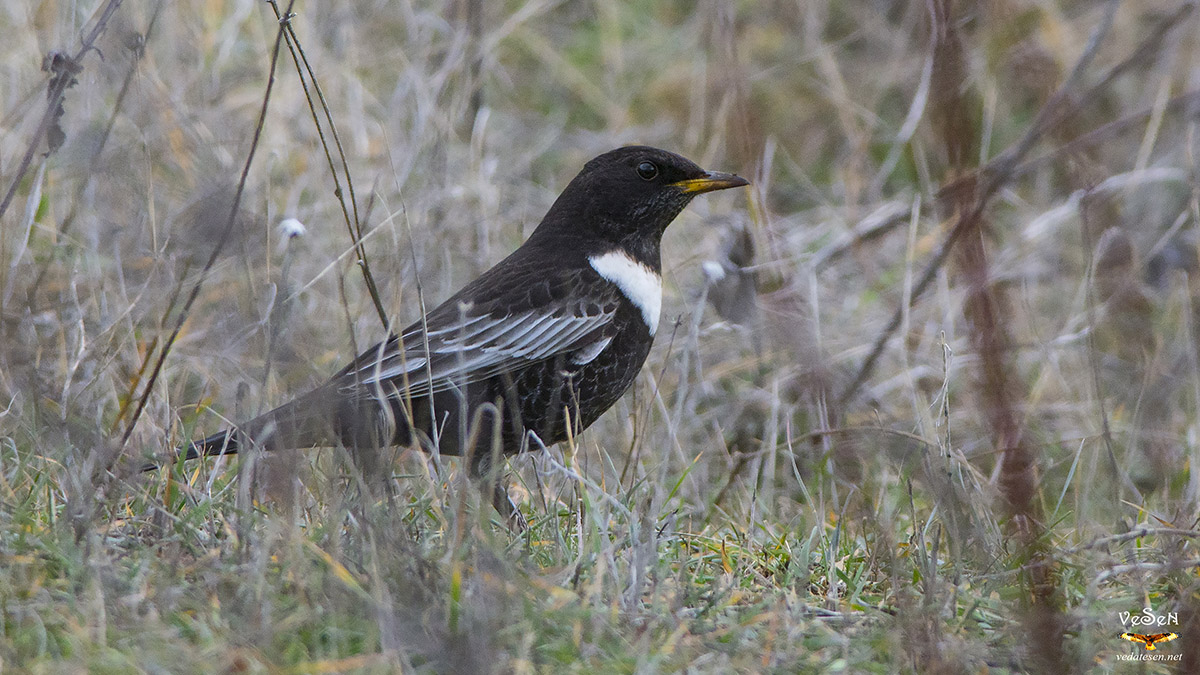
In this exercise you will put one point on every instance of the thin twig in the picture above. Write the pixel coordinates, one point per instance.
(216, 252)
(1093, 352)
(54, 99)
(1133, 534)
(353, 224)
(1156, 568)
(987, 182)
(1149, 45)
(94, 160)
(1188, 101)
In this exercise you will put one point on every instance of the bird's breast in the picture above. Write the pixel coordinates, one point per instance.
(607, 375)
(639, 283)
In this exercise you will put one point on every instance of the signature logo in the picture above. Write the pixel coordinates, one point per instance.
(1149, 640)
(1147, 617)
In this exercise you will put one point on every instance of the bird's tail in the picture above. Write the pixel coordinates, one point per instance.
(302, 423)
(221, 443)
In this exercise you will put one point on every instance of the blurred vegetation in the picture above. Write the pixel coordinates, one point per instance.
(987, 490)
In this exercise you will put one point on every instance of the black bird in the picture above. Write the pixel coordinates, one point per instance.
(539, 345)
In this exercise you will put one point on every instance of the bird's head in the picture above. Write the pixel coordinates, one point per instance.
(630, 195)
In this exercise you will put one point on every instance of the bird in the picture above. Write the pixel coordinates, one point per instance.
(532, 351)
(1149, 640)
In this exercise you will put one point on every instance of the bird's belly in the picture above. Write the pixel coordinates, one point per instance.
(553, 399)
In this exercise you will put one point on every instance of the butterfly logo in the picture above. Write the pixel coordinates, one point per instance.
(1149, 640)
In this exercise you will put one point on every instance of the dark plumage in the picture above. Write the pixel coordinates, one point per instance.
(556, 331)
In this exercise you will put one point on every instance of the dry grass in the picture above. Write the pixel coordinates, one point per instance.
(937, 415)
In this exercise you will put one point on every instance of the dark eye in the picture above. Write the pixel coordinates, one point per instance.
(647, 170)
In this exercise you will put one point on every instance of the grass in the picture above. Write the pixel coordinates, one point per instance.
(937, 412)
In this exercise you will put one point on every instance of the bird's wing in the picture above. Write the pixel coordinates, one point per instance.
(1135, 637)
(1162, 637)
(462, 341)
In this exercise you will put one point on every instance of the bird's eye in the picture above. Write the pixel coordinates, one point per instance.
(647, 170)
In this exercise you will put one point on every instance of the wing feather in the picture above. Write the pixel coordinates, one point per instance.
(468, 344)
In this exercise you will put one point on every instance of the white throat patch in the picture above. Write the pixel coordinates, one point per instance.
(639, 283)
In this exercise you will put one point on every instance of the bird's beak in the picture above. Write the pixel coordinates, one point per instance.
(713, 180)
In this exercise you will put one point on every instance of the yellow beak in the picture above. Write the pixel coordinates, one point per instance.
(713, 180)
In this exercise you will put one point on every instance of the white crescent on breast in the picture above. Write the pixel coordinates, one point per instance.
(638, 283)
